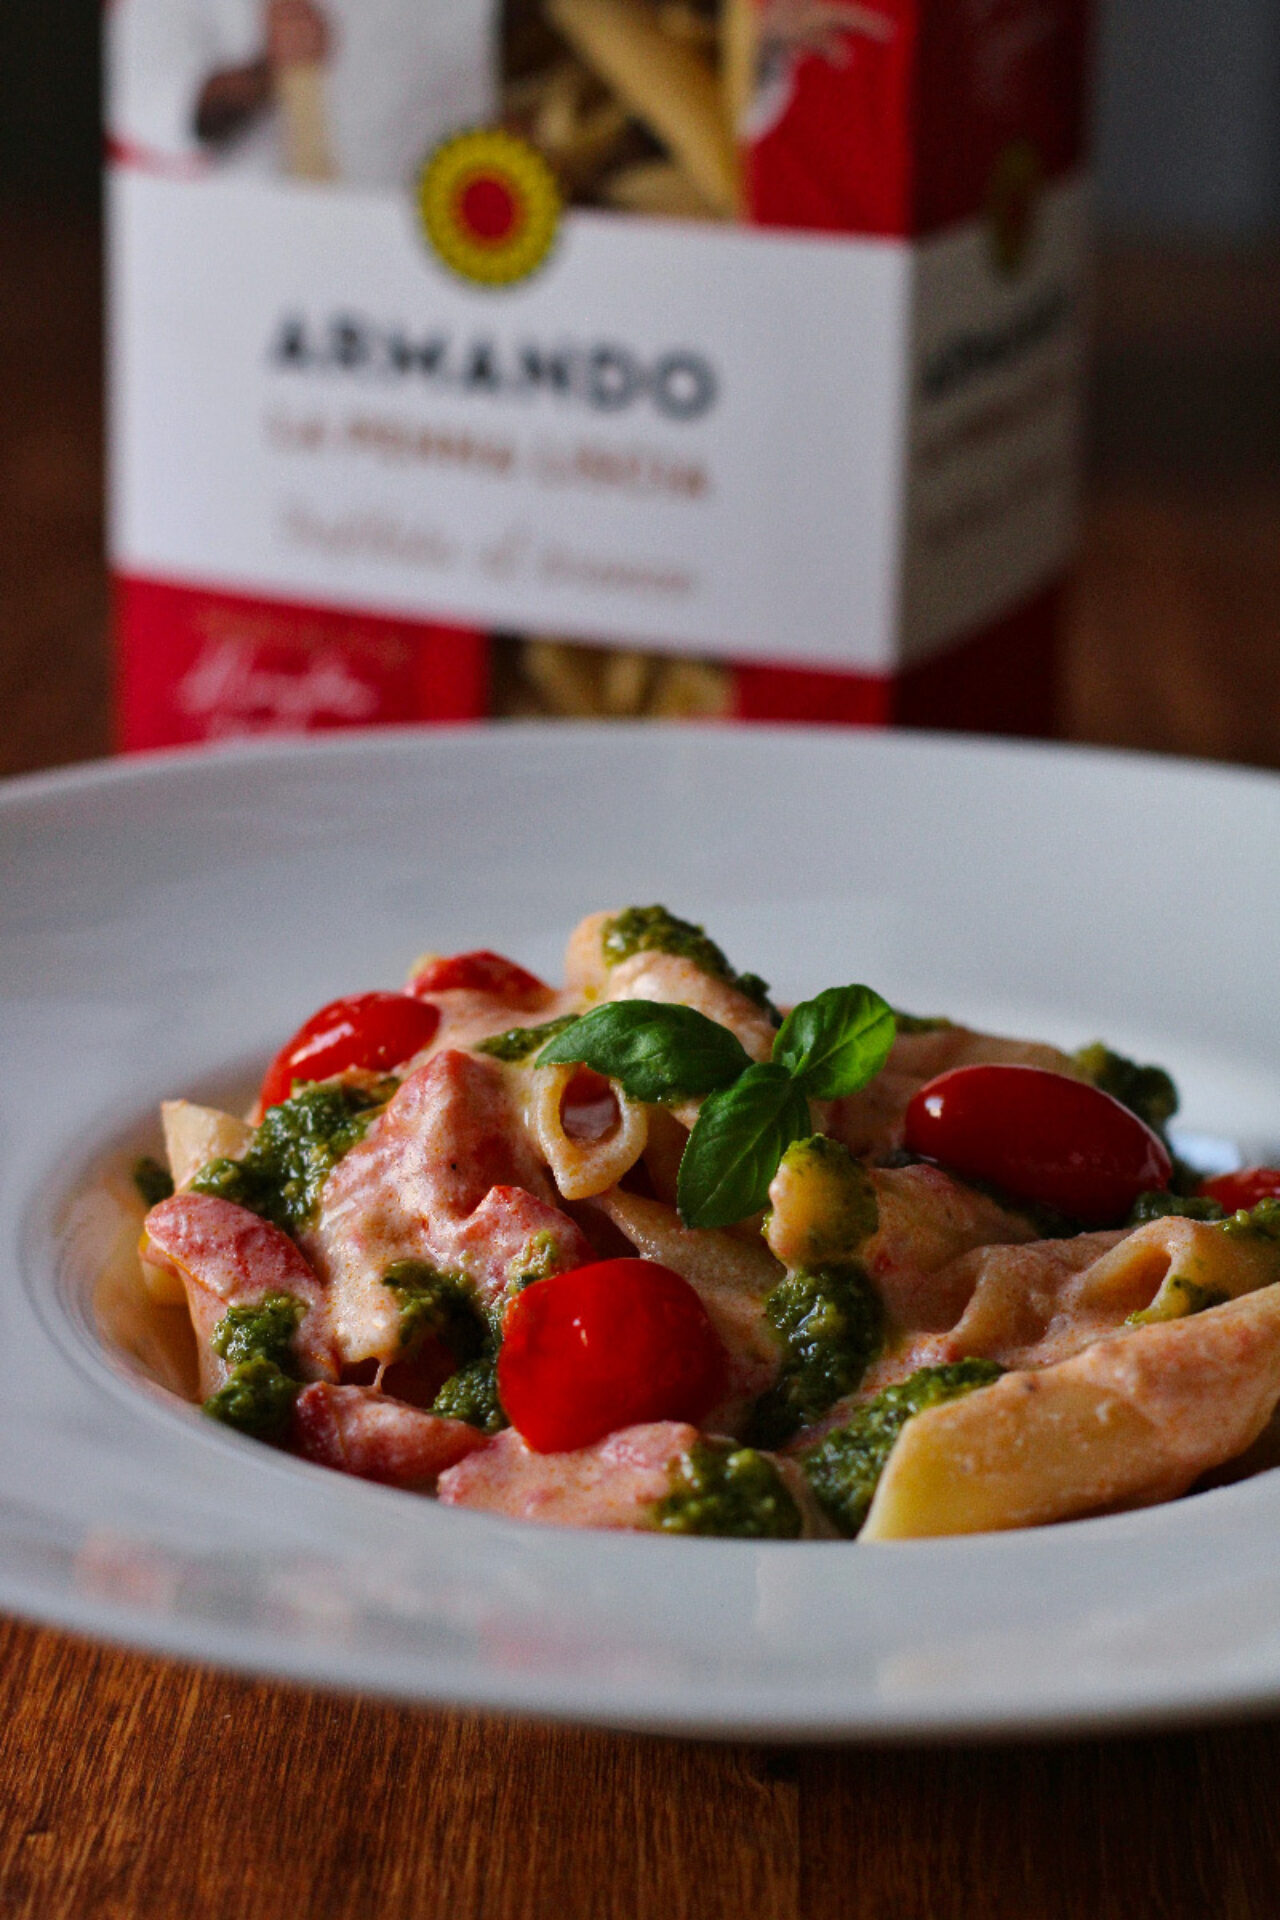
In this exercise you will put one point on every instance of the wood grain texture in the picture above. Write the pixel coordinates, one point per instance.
(1175, 627)
(131, 1787)
(1163, 1828)
(53, 663)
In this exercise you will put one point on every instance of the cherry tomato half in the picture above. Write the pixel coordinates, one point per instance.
(371, 1030)
(604, 1347)
(1243, 1189)
(482, 972)
(1039, 1136)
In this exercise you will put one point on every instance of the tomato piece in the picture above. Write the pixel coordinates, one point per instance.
(1243, 1189)
(374, 1031)
(482, 972)
(1039, 1136)
(606, 1346)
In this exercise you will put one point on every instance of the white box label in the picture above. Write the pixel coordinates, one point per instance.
(686, 436)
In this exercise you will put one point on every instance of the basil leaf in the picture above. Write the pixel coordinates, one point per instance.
(736, 1144)
(837, 1042)
(654, 1051)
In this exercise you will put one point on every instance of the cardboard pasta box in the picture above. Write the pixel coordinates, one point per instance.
(592, 356)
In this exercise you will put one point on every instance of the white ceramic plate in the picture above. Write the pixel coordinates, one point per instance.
(163, 923)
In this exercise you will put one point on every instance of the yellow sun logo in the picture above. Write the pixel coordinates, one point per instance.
(489, 205)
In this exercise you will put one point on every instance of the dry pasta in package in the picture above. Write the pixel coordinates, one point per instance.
(592, 358)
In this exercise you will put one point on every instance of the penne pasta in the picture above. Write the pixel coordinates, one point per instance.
(738, 56)
(1130, 1420)
(304, 114)
(642, 1252)
(665, 83)
(689, 689)
(566, 676)
(625, 682)
(195, 1135)
(583, 1168)
(656, 188)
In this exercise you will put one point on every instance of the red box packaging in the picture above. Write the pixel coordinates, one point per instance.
(572, 356)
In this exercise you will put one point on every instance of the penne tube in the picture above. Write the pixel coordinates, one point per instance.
(1171, 1268)
(589, 144)
(658, 187)
(689, 688)
(1132, 1419)
(664, 81)
(566, 676)
(737, 61)
(583, 1168)
(741, 1273)
(559, 106)
(685, 22)
(303, 101)
(624, 683)
(194, 1135)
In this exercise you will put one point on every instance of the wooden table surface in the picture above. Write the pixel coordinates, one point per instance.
(135, 1787)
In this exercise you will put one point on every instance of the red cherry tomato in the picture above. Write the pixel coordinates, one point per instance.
(1039, 1136)
(482, 972)
(371, 1030)
(604, 1347)
(1243, 1189)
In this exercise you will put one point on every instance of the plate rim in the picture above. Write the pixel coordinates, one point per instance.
(965, 1720)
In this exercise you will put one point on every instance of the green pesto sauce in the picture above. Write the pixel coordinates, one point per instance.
(294, 1151)
(471, 1394)
(922, 1022)
(1162, 1206)
(1179, 1299)
(830, 1323)
(656, 930)
(841, 1200)
(537, 1259)
(440, 1305)
(257, 1399)
(262, 1331)
(719, 1488)
(844, 1468)
(1256, 1223)
(517, 1043)
(257, 1343)
(445, 1305)
(1147, 1091)
(153, 1182)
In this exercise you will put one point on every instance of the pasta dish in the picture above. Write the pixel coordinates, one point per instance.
(649, 1252)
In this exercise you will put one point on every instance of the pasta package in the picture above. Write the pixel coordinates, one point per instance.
(603, 359)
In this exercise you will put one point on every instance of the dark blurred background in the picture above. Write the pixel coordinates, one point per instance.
(1176, 617)
(1188, 120)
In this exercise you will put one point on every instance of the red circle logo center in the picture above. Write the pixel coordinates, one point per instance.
(488, 208)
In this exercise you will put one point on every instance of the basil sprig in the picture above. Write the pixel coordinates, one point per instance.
(655, 1052)
(827, 1042)
(825, 1048)
(752, 1111)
